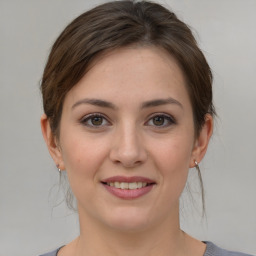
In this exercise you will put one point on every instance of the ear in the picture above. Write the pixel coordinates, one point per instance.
(202, 141)
(51, 142)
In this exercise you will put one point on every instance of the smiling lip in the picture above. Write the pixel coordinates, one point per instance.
(128, 179)
(127, 193)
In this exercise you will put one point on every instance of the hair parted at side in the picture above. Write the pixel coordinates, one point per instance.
(120, 24)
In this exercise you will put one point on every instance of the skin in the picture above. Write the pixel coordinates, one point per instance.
(128, 141)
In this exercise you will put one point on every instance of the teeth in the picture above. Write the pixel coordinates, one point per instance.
(116, 184)
(126, 185)
(132, 185)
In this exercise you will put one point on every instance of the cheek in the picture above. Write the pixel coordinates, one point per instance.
(82, 158)
(175, 152)
(174, 164)
(172, 159)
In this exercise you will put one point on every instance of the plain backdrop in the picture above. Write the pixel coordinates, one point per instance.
(30, 221)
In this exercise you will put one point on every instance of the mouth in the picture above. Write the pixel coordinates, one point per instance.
(128, 187)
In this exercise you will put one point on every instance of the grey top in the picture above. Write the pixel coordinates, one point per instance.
(211, 250)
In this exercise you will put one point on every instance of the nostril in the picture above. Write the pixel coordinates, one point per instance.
(128, 155)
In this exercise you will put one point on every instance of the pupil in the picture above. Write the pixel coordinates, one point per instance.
(158, 120)
(97, 120)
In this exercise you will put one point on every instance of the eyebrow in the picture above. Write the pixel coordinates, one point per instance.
(147, 104)
(95, 102)
(159, 102)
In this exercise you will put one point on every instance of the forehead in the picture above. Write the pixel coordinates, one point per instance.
(134, 72)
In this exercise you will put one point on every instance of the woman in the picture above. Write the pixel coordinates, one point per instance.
(127, 98)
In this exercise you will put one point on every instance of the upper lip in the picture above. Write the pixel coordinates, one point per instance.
(128, 179)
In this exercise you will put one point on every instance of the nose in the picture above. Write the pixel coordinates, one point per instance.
(128, 148)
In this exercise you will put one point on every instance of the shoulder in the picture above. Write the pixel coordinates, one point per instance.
(53, 253)
(211, 250)
(214, 250)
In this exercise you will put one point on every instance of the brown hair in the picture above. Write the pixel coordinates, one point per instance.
(119, 24)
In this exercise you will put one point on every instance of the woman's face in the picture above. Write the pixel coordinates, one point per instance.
(127, 139)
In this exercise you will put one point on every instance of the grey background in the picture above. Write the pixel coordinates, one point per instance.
(29, 222)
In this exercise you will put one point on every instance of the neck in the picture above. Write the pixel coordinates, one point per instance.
(163, 239)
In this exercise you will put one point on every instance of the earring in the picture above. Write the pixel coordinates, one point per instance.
(196, 165)
(58, 168)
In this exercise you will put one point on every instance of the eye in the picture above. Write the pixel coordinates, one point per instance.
(95, 120)
(161, 120)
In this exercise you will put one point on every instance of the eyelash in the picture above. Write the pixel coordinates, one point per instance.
(168, 120)
(89, 117)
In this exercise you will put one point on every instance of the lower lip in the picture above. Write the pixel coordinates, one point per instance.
(128, 193)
